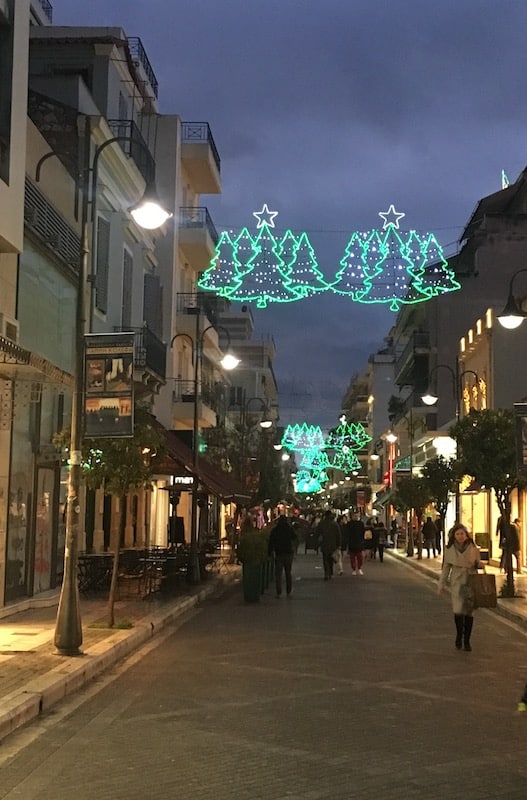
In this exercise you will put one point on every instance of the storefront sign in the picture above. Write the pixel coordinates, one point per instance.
(109, 385)
(183, 480)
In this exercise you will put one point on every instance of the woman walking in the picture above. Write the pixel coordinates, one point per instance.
(461, 560)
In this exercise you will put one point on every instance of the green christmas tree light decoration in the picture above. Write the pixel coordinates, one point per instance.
(264, 269)
(307, 483)
(224, 273)
(301, 436)
(388, 267)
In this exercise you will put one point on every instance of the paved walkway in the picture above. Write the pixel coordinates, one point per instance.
(33, 677)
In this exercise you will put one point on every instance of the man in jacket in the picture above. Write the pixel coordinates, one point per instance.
(282, 543)
(329, 536)
(356, 544)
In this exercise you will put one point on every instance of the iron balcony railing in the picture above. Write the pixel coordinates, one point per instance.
(149, 350)
(138, 53)
(47, 8)
(418, 344)
(192, 132)
(205, 303)
(198, 217)
(133, 144)
(184, 392)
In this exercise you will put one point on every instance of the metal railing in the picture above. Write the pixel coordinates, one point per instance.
(47, 8)
(133, 144)
(418, 343)
(138, 53)
(184, 392)
(192, 132)
(198, 217)
(149, 350)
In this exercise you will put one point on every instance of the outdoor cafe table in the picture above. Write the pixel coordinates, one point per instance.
(94, 571)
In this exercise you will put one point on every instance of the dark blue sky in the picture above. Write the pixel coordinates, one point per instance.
(329, 112)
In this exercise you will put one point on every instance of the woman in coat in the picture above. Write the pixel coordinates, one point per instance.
(460, 561)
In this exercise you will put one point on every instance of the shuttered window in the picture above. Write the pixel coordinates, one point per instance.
(128, 272)
(153, 304)
(103, 265)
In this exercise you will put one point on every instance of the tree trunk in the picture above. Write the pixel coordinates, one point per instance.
(115, 568)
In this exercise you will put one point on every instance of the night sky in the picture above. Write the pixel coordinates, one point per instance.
(329, 112)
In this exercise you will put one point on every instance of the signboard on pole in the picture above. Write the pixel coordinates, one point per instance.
(109, 385)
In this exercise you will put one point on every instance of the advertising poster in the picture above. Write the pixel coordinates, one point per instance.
(109, 385)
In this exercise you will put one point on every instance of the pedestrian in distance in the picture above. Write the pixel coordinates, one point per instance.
(343, 525)
(282, 544)
(394, 532)
(429, 536)
(356, 544)
(439, 535)
(329, 537)
(512, 544)
(379, 539)
(461, 560)
(368, 540)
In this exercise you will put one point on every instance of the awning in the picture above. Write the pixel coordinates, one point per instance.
(180, 458)
(382, 499)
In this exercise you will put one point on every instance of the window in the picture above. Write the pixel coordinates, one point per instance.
(128, 271)
(103, 265)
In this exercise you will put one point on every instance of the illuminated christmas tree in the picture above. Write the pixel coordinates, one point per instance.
(223, 275)
(389, 267)
(302, 269)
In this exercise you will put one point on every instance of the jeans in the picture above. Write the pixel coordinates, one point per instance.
(356, 559)
(283, 561)
(327, 559)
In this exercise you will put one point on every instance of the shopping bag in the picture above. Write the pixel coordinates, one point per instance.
(484, 590)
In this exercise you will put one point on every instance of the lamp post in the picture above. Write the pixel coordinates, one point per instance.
(228, 362)
(512, 315)
(430, 398)
(68, 628)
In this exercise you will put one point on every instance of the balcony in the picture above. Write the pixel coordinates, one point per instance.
(183, 399)
(149, 358)
(133, 144)
(197, 236)
(412, 364)
(140, 58)
(200, 157)
(47, 8)
(413, 404)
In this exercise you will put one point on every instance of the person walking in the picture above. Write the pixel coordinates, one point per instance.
(429, 536)
(282, 543)
(380, 534)
(329, 536)
(461, 560)
(343, 525)
(368, 540)
(356, 544)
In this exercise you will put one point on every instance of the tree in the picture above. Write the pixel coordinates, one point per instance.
(442, 478)
(486, 448)
(119, 466)
(412, 492)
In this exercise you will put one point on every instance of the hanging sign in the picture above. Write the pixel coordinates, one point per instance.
(109, 385)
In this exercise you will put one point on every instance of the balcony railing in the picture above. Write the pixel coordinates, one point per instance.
(201, 303)
(195, 132)
(198, 217)
(184, 393)
(418, 344)
(133, 144)
(47, 8)
(149, 351)
(138, 53)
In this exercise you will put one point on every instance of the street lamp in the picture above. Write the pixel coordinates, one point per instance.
(68, 628)
(228, 362)
(430, 398)
(512, 315)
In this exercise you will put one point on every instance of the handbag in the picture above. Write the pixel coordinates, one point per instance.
(483, 587)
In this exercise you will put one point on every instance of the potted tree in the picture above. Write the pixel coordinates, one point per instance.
(252, 553)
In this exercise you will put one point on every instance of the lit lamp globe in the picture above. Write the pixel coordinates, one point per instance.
(429, 398)
(229, 361)
(148, 212)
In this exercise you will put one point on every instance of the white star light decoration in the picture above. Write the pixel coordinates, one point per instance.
(391, 217)
(265, 213)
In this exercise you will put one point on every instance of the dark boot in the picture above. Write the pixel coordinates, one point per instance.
(467, 630)
(458, 619)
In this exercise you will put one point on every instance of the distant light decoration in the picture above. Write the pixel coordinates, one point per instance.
(306, 483)
(505, 182)
(397, 268)
(264, 269)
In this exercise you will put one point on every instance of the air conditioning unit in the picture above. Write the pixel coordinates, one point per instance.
(8, 328)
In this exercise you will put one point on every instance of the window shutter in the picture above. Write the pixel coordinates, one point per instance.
(153, 304)
(103, 265)
(128, 272)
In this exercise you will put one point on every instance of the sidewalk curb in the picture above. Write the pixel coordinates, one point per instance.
(513, 614)
(72, 673)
